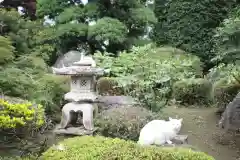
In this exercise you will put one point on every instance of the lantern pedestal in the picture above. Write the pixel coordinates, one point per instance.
(87, 112)
(81, 96)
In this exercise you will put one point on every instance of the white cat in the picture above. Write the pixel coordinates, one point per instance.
(159, 132)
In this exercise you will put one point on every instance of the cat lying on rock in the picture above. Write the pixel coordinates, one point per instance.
(160, 132)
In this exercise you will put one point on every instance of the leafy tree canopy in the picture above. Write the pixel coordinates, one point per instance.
(227, 39)
(190, 25)
(19, 30)
(98, 25)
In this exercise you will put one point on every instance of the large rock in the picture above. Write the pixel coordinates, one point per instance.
(68, 59)
(231, 116)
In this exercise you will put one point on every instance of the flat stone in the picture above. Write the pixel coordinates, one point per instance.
(79, 131)
(107, 102)
(180, 139)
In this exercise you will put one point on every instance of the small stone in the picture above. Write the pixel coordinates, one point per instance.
(180, 139)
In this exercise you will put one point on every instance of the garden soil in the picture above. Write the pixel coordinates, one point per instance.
(200, 125)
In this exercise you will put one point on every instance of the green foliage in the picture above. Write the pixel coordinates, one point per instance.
(124, 122)
(142, 16)
(31, 63)
(148, 73)
(76, 30)
(23, 68)
(6, 50)
(226, 80)
(107, 148)
(226, 73)
(108, 29)
(16, 82)
(227, 41)
(190, 25)
(116, 22)
(19, 119)
(225, 93)
(108, 86)
(16, 115)
(44, 51)
(51, 8)
(19, 30)
(193, 91)
(42, 88)
(50, 92)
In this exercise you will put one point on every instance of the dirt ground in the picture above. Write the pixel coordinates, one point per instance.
(200, 125)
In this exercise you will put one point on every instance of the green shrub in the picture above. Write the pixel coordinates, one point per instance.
(108, 86)
(32, 63)
(193, 91)
(51, 90)
(227, 74)
(16, 82)
(226, 39)
(147, 73)
(123, 122)
(225, 93)
(100, 148)
(42, 88)
(6, 50)
(19, 120)
(19, 115)
(226, 84)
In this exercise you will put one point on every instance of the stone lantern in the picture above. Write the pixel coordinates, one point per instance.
(81, 96)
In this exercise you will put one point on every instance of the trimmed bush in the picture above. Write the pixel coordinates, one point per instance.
(100, 148)
(18, 115)
(108, 86)
(123, 122)
(19, 121)
(53, 87)
(225, 93)
(193, 91)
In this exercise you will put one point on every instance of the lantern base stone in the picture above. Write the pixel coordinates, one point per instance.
(68, 115)
(78, 131)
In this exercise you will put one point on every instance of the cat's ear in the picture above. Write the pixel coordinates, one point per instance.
(170, 118)
(181, 120)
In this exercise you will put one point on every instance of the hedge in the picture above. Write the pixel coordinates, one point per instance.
(224, 93)
(102, 148)
(13, 115)
(124, 122)
(193, 91)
